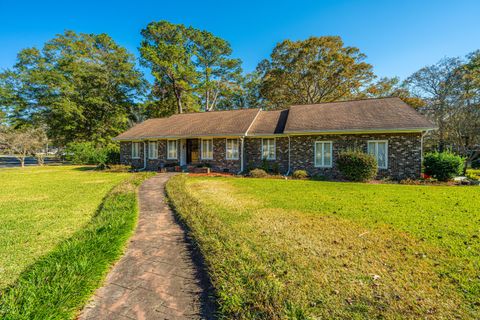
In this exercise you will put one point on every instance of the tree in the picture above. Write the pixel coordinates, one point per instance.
(465, 123)
(83, 87)
(24, 142)
(319, 69)
(391, 87)
(167, 49)
(220, 75)
(440, 86)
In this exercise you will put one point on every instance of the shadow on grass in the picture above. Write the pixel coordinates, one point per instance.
(208, 295)
(85, 168)
(59, 284)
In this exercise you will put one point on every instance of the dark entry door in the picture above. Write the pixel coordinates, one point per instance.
(192, 150)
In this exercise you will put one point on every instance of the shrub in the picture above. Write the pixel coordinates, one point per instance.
(319, 177)
(473, 174)
(113, 154)
(476, 164)
(265, 165)
(85, 153)
(258, 173)
(443, 165)
(275, 168)
(88, 153)
(357, 166)
(300, 174)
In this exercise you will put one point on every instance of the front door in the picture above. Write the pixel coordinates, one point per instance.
(192, 151)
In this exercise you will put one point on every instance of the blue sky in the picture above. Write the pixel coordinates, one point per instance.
(399, 37)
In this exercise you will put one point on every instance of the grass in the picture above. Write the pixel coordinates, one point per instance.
(304, 249)
(64, 228)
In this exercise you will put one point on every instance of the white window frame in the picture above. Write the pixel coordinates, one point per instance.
(201, 149)
(227, 147)
(150, 144)
(274, 149)
(137, 144)
(375, 153)
(168, 150)
(322, 162)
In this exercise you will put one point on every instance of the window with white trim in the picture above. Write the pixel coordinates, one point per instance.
(231, 149)
(135, 150)
(152, 150)
(207, 149)
(172, 149)
(379, 149)
(268, 149)
(323, 154)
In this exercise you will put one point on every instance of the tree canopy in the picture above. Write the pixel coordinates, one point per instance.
(83, 87)
(319, 69)
(191, 66)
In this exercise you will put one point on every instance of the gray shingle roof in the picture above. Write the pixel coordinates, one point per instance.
(385, 114)
(358, 115)
(199, 124)
(269, 122)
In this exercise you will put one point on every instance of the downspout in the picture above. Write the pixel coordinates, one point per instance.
(243, 154)
(289, 168)
(421, 145)
(144, 156)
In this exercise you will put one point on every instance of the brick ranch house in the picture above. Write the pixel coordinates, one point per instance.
(305, 137)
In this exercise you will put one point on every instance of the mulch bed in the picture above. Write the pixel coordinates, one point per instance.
(211, 174)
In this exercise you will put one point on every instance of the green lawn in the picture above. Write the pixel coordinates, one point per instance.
(301, 249)
(62, 227)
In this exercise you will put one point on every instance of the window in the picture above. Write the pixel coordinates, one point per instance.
(268, 149)
(231, 149)
(152, 150)
(171, 149)
(207, 149)
(135, 150)
(379, 149)
(323, 154)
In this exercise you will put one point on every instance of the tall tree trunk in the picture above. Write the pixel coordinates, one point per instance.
(179, 105)
(178, 96)
(22, 162)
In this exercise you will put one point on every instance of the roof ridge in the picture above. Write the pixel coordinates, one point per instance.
(340, 101)
(205, 112)
(253, 121)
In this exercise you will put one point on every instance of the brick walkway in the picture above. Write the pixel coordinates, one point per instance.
(159, 276)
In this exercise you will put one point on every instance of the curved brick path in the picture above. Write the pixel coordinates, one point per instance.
(158, 277)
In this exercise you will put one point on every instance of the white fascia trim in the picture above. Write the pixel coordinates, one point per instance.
(357, 131)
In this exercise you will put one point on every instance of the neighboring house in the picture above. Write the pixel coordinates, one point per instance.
(301, 137)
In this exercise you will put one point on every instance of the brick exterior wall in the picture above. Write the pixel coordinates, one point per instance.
(218, 163)
(404, 154)
(152, 164)
(253, 154)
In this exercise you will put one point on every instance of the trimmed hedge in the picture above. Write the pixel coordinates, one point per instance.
(443, 166)
(357, 166)
(300, 174)
(258, 173)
